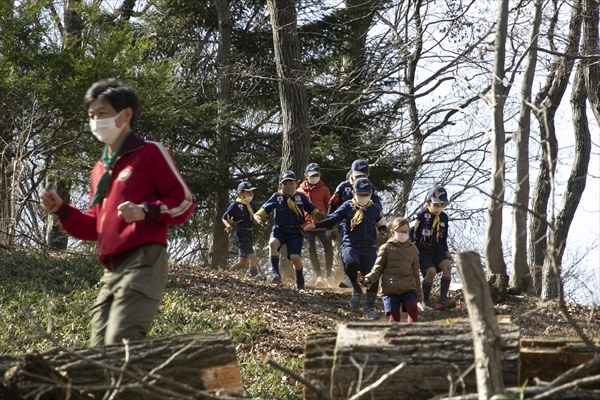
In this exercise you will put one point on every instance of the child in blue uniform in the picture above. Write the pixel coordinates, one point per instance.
(362, 223)
(289, 206)
(429, 231)
(241, 211)
(344, 192)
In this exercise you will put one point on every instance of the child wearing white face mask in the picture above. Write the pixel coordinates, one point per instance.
(429, 228)
(397, 265)
(239, 220)
(319, 195)
(361, 223)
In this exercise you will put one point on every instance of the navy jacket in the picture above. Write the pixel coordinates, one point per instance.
(239, 213)
(284, 216)
(423, 234)
(363, 234)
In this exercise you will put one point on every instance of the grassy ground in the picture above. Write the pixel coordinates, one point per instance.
(57, 291)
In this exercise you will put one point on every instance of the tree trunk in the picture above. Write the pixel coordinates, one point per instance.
(494, 257)
(56, 237)
(430, 349)
(521, 277)
(204, 361)
(220, 241)
(547, 102)
(487, 341)
(591, 10)
(292, 93)
(410, 73)
(575, 188)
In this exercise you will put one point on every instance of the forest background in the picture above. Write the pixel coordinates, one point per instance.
(497, 101)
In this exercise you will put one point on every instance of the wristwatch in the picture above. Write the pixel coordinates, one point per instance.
(146, 210)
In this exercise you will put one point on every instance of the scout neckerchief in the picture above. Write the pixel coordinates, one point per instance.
(358, 215)
(248, 206)
(436, 220)
(109, 162)
(291, 203)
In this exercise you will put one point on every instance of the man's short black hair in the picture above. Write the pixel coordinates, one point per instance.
(116, 93)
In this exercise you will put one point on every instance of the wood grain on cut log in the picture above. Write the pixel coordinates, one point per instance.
(204, 361)
(318, 361)
(432, 351)
(486, 333)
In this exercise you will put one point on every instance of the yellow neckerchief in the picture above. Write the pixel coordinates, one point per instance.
(436, 220)
(291, 203)
(358, 215)
(247, 204)
(351, 180)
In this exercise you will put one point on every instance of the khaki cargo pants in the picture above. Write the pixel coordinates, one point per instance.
(129, 296)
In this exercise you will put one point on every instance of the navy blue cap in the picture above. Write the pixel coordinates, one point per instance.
(287, 176)
(362, 185)
(313, 169)
(245, 186)
(437, 195)
(360, 167)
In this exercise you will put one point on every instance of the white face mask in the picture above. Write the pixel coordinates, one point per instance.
(437, 209)
(362, 200)
(313, 180)
(106, 129)
(401, 237)
(289, 191)
(248, 198)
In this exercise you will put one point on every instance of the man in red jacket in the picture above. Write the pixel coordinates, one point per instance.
(319, 195)
(136, 192)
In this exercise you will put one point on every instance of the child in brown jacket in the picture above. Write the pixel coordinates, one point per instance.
(398, 266)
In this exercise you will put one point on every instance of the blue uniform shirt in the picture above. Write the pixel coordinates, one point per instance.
(423, 233)
(365, 233)
(239, 213)
(284, 216)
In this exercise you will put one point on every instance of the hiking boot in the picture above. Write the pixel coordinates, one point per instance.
(425, 306)
(445, 304)
(321, 282)
(355, 300)
(276, 279)
(371, 314)
(345, 283)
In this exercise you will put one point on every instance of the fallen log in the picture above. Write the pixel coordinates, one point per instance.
(184, 364)
(436, 355)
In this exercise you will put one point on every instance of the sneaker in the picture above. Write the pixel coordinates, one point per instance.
(345, 283)
(371, 314)
(355, 300)
(321, 282)
(253, 272)
(445, 304)
(276, 279)
(425, 306)
(300, 285)
(330, 281)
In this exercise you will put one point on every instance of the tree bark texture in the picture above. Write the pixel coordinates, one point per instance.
(494, 258)
(220, 240)
(547, 101)
(591, 17)
(292, 93)
(433, 350)
(204, 361)
(521, 277)
(410, 73)
(575, 187)
(487, 340)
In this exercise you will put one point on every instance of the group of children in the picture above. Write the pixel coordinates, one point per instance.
(414, 249)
